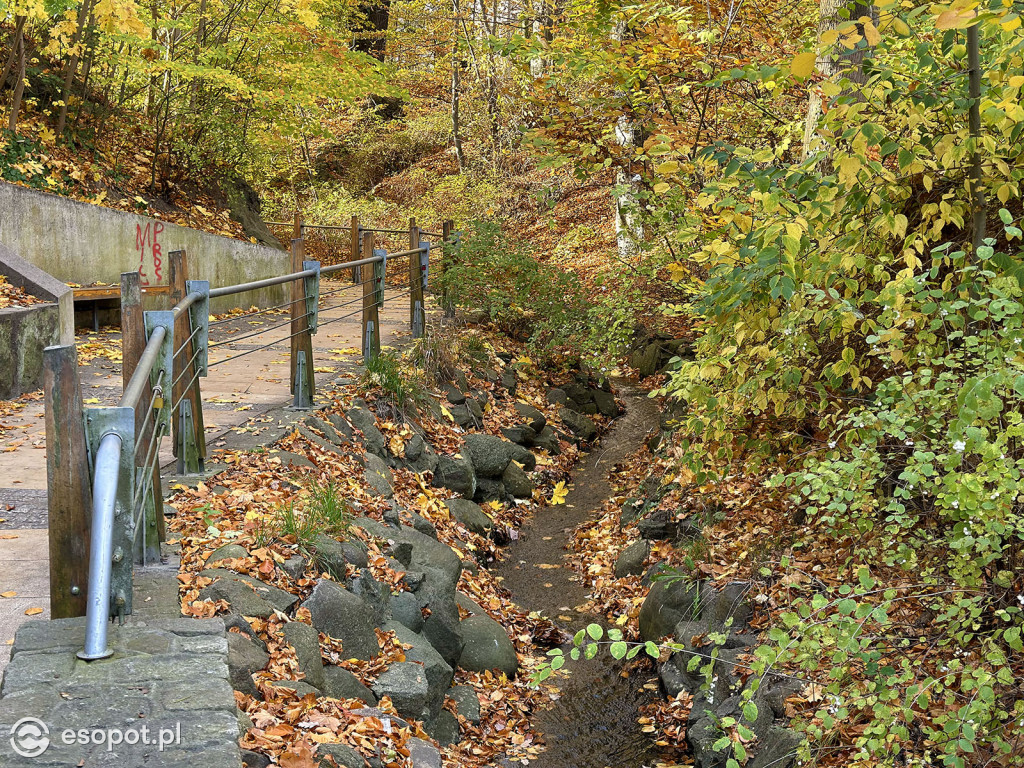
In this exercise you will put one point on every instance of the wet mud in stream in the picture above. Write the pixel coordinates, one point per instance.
(594, 722)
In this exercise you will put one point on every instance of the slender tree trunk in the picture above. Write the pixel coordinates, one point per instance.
(834, 62)
(974, 117)
(19, 27)
(71, 68)
(89, 59)
(456, 85)
(19, 86)
(542, 23)
(629, 229)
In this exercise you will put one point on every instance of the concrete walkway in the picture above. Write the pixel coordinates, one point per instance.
(242, 396)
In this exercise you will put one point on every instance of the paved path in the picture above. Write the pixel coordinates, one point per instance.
(243, 395)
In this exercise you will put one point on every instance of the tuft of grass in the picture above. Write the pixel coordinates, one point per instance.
(399, 386)
(324, 511)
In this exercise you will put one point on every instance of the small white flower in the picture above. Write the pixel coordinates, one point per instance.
(955, 505)
(831, 443)
(959, 446)
(1020, 599)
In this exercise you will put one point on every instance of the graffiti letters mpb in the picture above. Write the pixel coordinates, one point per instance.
(147, 243)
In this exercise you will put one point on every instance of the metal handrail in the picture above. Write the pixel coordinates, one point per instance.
(270, 282)
(101, 547)
(137, 384)
(350, 264)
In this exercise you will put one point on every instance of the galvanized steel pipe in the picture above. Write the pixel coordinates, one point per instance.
(133, 392)
(270, 282)
(101, 548)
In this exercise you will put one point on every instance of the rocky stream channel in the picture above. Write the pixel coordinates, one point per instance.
(593, 724)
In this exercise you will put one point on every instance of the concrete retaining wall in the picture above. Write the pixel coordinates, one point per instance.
(26, 331)
(81, 243)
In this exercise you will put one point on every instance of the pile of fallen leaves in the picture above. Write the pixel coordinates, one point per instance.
(13, 296)
(241, 504)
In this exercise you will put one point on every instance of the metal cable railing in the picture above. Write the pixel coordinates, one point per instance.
(162, 397)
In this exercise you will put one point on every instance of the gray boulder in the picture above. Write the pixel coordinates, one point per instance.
(470, 515)
(516, 481)
(344, 756)
(374, 594)
(339, 683)
(668, 602)
(295, 567)
(547, 440)
(631, 560)
(330, 556)
(327, 430)
(406, 685)
(443, 728)
(433, 557)
(489, 454)
(487, 646)
(522, 435)
(405, 609)
(455, 474)
(252, 759)
(414, 447)
(438, 672)
(424, 526)
(423, 754)
(306, 642)
(341, 427)
(378, 477)
(605, 402)
(366, 422)
(462, 416)
(355, 553)
(535, 418)
(339, 613)
(557, 396)
(466, 702)
(245, 595)
(490, 489)
(454, 395)
(442, 627)
(227, 552)
(580, 426)
(244, 658)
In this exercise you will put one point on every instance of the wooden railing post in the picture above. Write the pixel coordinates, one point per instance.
(371, 292)
(187, 428)
(416, 310)
(302, 377)
(68, 489)
(357, 247)
(133, 343)
(296, 225)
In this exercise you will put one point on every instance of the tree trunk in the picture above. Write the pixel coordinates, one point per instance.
(72, 66)
(542, 31)
(978, 206)
(378, 18)
(629, 229)
(456, 77)
(19, 86)
(834, 62)
(19, 26)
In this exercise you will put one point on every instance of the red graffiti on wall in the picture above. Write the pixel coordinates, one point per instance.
(147, 243)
